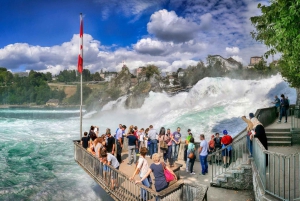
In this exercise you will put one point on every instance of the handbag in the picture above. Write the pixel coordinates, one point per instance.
(169, 176)
(191, 155)
(163, 144)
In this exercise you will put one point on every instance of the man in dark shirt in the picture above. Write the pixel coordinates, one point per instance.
(85, 140)
(110, 147)
(132, 145)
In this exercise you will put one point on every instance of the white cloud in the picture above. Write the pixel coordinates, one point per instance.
(232, 50)
(238, 58)
(167, 26)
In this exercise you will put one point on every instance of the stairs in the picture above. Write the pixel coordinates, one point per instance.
(279, 136)
(238, 178)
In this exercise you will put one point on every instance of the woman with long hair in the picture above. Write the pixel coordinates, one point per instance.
(163, 138)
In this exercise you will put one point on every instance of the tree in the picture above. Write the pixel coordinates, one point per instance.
(278, 28)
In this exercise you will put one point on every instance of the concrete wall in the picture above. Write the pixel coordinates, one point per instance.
(266, 115)
(295, 137)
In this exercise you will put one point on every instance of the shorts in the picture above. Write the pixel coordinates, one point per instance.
(105, 168)
(225, 152)
(114, 175)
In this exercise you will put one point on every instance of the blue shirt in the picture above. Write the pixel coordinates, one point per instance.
(131, 140)
(277, 102)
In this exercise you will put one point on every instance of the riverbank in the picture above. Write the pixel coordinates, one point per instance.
(41, 106)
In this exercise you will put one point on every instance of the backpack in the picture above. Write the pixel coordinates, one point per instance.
(286, 103)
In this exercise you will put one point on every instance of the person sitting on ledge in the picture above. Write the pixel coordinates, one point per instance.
(158, 171)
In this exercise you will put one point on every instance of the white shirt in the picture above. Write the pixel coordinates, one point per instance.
(141, 136)
(113, 160)
(119, 134)
(204, 146)
(143, 166)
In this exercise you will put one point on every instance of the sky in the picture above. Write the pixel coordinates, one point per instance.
(43, 35)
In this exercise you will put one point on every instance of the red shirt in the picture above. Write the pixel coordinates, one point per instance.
(226, 139)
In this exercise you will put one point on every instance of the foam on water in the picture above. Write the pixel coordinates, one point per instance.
(212, 105)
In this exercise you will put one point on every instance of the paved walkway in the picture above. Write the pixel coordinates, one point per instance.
(213, 192)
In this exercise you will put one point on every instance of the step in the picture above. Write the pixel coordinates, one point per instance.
(278, 138)
(280, 143)
(277, 130)
(278, 133)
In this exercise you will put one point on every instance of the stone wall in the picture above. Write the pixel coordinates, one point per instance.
(295, 137)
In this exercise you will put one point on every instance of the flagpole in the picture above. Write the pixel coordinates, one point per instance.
(80, 106)
(80, 69)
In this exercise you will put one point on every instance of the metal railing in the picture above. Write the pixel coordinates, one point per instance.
(239, 155)
(279, 174)
(295, 118)
(127, 189)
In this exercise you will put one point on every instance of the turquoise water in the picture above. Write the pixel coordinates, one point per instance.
(37, 161)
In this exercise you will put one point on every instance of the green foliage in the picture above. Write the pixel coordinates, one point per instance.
(75, 99)
(261, 65)
(278, 28)
(150, 70)
(114, 93)
(23, 90)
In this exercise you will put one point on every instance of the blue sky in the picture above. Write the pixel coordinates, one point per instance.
(43, 35)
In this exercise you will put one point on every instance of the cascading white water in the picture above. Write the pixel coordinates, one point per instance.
(212, 105)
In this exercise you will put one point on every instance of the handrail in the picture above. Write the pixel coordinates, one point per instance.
(278, 173)
(237, 158)
(127, 188)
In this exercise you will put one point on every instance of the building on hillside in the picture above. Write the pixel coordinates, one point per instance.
(181, 73)
(171, 80)
(254, 60)
(229, 63)
(169, 73)
(52, 102)
(102, 75)
(22, 74)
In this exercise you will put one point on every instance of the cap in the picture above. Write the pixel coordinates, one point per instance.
(189, 130)
(251, 115)
(225, 132)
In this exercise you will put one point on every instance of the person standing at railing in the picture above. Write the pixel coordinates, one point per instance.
(284, 106)
(185, 157)
(142, 169)
(211, 149)
(109, 159)
(132, 145)
(110, 145)
(226, 152)
(218, 145)
(191, 149)
(169, 151)
(203, 152)
(249, 129)
(277, 105)
(85, 140)
(259, 132)
(153, 141)
(176, 139)
(120, 143)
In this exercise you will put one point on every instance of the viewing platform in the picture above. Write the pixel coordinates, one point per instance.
(245, 178)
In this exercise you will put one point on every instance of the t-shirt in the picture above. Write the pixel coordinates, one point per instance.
(131, 140)
(141, 136)
(110, 143)
(191, 147)
(113, 160)
(176, 136)
(85, 142)
(160, 179)
(92, 135)
(152, 134)
(204, 146)
(143, 166)
(218, 142)
(97, 148)
(188, 138)
(226, 139)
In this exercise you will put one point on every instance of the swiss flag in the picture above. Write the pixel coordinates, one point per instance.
(80, 56)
